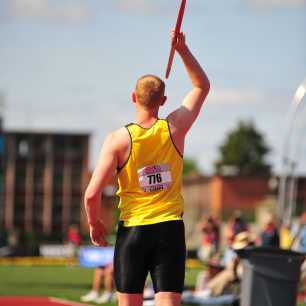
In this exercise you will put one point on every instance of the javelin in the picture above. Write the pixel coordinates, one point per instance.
(176, 31)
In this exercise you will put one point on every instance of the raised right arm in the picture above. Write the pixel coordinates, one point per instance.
(182, 118)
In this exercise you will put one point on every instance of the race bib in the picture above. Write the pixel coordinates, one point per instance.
(155, 178)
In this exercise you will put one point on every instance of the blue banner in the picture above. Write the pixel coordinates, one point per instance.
(2, 147)
(93, 257)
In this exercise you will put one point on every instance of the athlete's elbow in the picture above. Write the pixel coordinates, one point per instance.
(91, 196)
(202, 92)
(205, 87)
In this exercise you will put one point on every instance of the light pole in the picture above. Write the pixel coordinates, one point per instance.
(286, 162)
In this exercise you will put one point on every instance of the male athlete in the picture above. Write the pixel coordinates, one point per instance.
(148, 158)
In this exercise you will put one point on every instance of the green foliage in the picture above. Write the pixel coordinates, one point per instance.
(190, 167)
(244, 152)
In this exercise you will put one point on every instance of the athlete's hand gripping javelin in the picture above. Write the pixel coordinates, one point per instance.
(178, 41)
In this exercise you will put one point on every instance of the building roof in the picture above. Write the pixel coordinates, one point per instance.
(46, 132)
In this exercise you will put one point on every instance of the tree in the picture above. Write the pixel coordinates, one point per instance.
(243, 152)
(190, 167)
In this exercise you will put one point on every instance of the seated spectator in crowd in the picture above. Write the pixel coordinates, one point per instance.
(103, 276)
(269, 236)
(299, 244)
(299, 234)
(235, 226)
(210, 239)
(286, 238)
(232, 271)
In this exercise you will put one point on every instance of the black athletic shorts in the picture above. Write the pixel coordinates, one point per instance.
(158, 249)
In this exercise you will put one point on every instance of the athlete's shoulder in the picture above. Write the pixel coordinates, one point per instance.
(118, 139)
(121, 132)
(163, 121)
(174, 122)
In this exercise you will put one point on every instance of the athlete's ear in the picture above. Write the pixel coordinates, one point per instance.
(134, 97)
(163, 100)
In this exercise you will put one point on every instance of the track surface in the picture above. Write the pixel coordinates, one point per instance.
(35, 301)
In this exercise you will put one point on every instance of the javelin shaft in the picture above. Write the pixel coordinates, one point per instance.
(180, 17)
(177, 31)
(170, 61)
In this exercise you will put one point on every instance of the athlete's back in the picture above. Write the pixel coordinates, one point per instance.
(150, 180)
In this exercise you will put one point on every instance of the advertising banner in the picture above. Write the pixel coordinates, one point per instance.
(96, 256)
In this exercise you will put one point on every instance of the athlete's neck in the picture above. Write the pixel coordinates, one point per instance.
(146, 118)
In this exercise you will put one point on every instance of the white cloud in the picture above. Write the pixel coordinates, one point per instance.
(47, 10)
(236, 96)
(138, 6)
(267, 4)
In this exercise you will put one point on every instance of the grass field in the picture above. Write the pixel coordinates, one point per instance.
(68, 282)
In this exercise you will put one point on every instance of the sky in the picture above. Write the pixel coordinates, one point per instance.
(71, 65)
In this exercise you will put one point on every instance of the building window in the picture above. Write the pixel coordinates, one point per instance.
(23, 148)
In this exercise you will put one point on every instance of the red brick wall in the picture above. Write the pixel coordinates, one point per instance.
(229, 193)
(302, 194)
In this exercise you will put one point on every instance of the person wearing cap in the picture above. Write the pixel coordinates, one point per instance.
(235, 226)
(269, 236)
(210, 238)
(233, 270)
(299, 244)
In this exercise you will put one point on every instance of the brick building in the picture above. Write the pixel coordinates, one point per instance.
(45, 175)
(220, 196)
(1, 165)
(243, 193)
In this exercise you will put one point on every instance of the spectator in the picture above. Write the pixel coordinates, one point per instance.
(299, 244)
(235, 226)
(299, 240)
(73, 235)
(232, 271)
(210, 232)
(74, 239)
(285, 237)
(269, 237)
(102, 276)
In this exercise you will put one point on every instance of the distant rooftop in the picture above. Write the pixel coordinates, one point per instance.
(47, 132)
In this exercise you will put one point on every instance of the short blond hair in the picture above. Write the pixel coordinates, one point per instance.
(149, 91)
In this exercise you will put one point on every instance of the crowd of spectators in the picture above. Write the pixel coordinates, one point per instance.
(218, 252)
(223, 266)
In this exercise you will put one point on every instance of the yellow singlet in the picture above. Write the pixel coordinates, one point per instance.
(151, 179)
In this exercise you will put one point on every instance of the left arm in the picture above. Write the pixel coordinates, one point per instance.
(102, 175)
